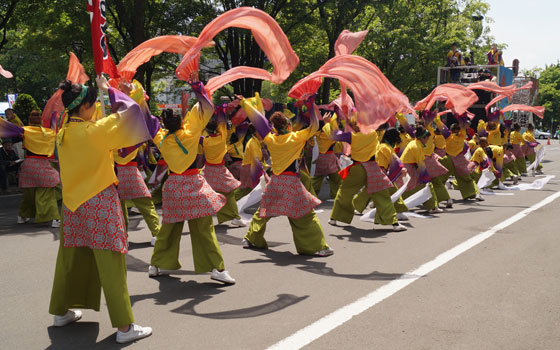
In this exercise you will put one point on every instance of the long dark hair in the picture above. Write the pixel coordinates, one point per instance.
(391, 136)
(171, 121)
(71, 91)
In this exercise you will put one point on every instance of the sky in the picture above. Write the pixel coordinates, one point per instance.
(531, 28)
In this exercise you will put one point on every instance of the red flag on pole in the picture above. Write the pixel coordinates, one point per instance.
(103, 61)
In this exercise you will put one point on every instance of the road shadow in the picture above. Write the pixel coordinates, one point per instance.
(307, 264)
(81, 335)
(281, 302)
(225, 238)
(359, 235)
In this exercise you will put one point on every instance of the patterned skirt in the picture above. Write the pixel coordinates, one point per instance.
(235, 168)
(508, 158)
(412, 171)
(38, 172)
(220, 178)
(187, 197)
(285, 195)
(131, 185)
(245, 177)
(327, 163)
(97, 224)
(527, 149)
(377, 180)
(434, 167)
(463, 166)
(440, 152)
(518, 151)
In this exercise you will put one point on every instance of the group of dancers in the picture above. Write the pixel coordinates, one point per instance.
(209, 163)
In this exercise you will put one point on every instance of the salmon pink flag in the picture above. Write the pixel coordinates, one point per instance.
(142, 53)
(509, 94)
(537, 110)
(377, 100)
(267, 33)
(458, 98)
(6, 74)
(53, 108)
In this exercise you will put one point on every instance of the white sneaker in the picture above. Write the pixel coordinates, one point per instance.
(398, 227)
(153, 241)
(21, 220)
(325, 252)
(332, 222)
(154, 271)
(222, 276)
(69, 317)
(238, 223)
(246, 244)
(449, 203)
(539, 172)
(435, 211)
(55, 224)
(501, 186)
(516, 180)
(479, 198)
(402, 217)
(449, 185)
(135, 332)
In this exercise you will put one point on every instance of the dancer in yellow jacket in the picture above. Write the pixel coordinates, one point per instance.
(364, 172)
(215, 172)
(530, 145)
(516, 139)
(187, 195)
(93, 239)
(37, 177)
(327, 163)
(285, 194)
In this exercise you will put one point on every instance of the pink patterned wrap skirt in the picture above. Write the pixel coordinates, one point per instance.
(518, 151)
(131, 185)
(285, 195)
(508, 158)
(38, 172)
(97, 224)
(188, 196)
(412, 171)
(440, 152)
(235, 168)
(434, 167)
(377, 179)
(463, 166)
(220, 178)
(327, 163)
(527, 149)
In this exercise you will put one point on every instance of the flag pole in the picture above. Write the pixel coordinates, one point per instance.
(102, 99)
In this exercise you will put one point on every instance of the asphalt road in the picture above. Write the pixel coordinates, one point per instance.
(501, 294)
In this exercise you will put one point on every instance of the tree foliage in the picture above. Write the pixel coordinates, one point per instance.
(407, 39)
(24, 105)
(549, 94)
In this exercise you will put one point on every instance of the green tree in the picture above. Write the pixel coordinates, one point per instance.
(549, 94)
(24, 105)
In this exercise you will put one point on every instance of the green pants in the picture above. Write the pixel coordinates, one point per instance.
(431, 203)
(532, 158)
(521, 165)
(242, 192)
(306, 181)
(306, 231)
(440, 190)
(363, 198)
(510, 170)
(229, 211)
(466, 184)
(343, 208)
(206, 252)
(148, 211)
(39, 203)
(79, 276)
(334, 182)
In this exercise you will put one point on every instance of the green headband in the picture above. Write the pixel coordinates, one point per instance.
(425, 134)
(78, 99)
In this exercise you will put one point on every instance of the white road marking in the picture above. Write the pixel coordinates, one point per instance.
(331, 321)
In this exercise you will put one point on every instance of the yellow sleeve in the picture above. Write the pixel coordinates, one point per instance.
(528, 137)
(39, 140)
(383, 156)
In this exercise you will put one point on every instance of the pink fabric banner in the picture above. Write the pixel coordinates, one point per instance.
(268, 35)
